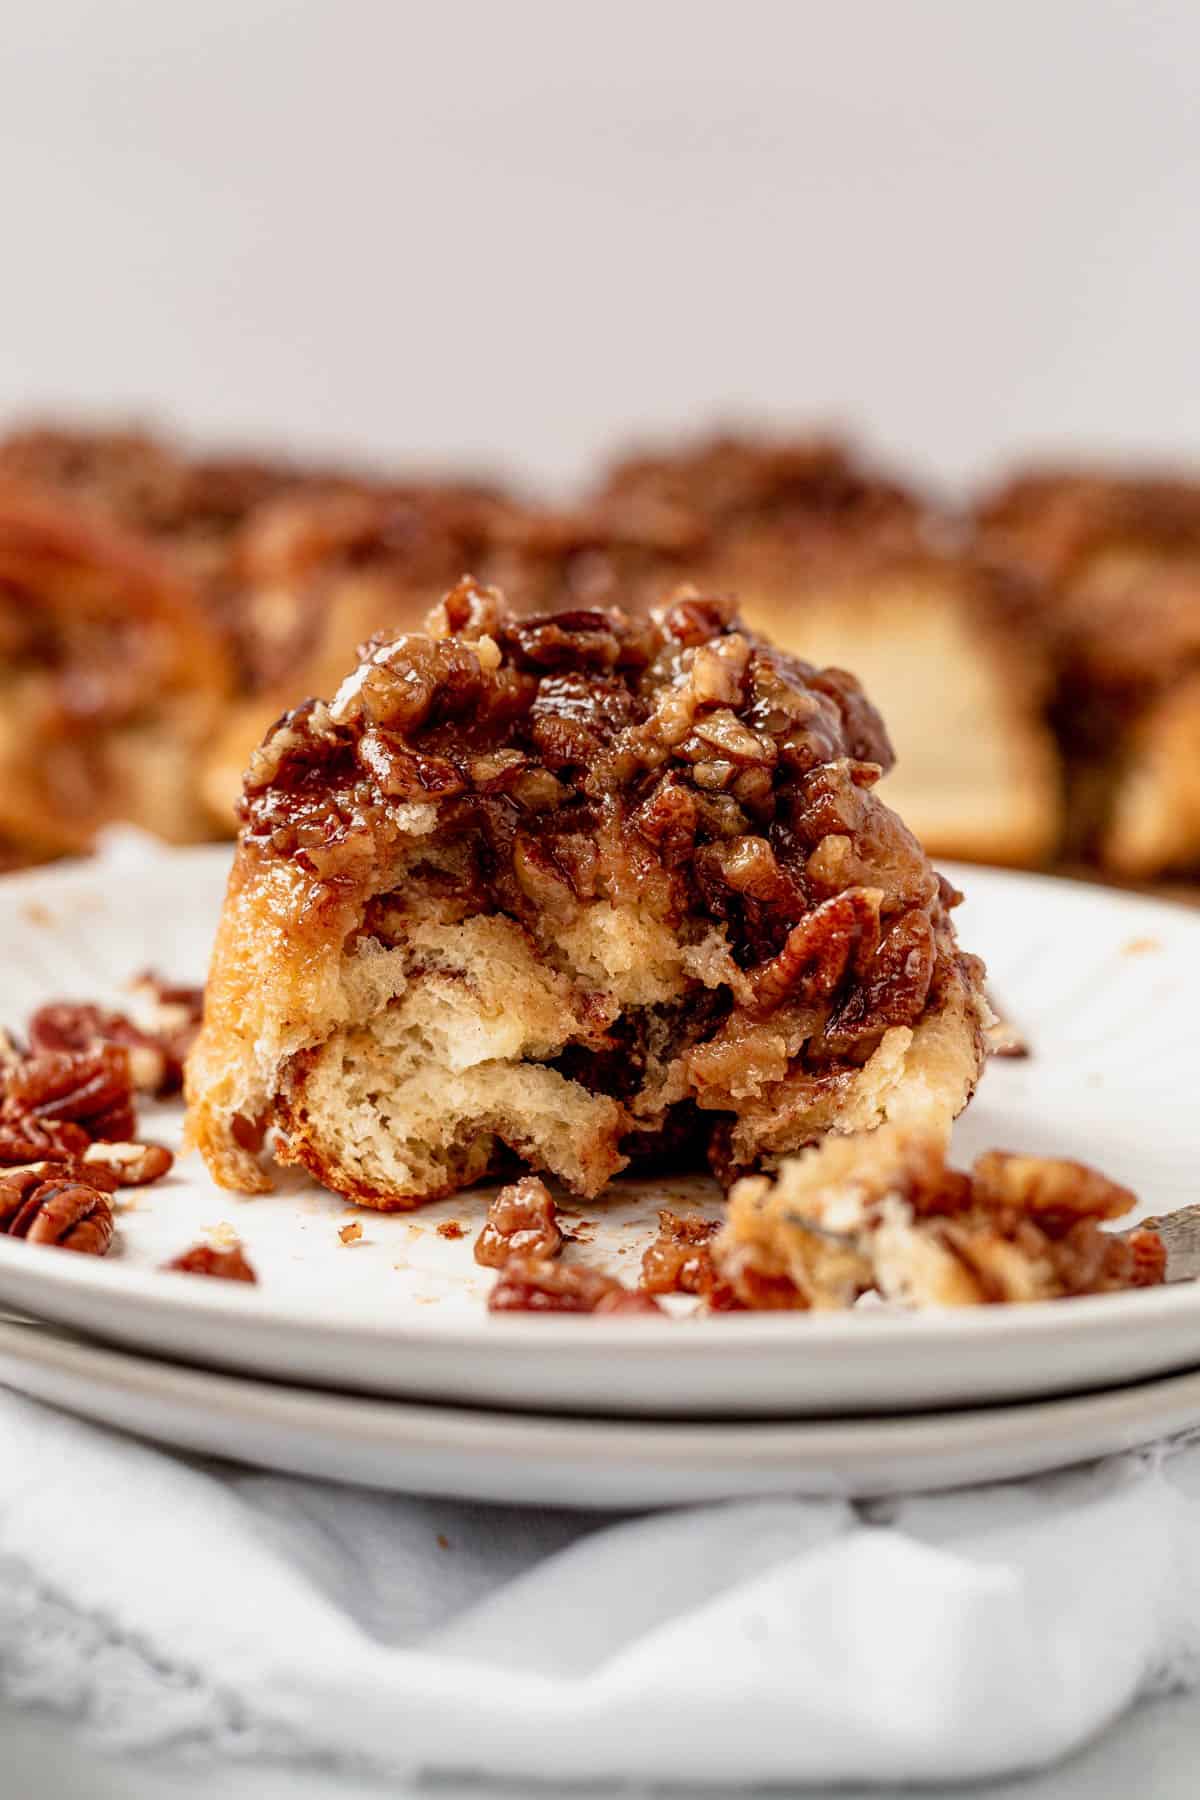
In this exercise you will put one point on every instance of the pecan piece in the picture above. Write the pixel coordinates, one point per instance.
(521, 1221)
(221, 1265)
(171, 1014)
(155, 1057)
(1002, 1036)
(1051, 1190)
(694, 620)
(536, 1284)
(576, 716)
(1147, 1258)
(47, 1206)
(129, 1165)
(89, 1088)
(621, 1299)
(820, 950)
(893, 989)
(679, 1260)
(468, 610)
(566, 639)
(26, 1140)
(718, 671)
(404, 774)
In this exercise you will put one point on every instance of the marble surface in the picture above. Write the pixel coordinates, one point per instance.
(1155, 1751)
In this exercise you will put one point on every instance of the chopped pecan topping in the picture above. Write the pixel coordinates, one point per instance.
(599, 698)
(227, 1264)
(885, 1213)
(171, 1014)
(538, 1284)
(47, 1203)
(521, 1221)
(674, 766)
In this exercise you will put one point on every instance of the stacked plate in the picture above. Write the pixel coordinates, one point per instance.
(374, 1359)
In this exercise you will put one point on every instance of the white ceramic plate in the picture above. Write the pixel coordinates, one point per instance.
(541, 1460)
(1102, 983)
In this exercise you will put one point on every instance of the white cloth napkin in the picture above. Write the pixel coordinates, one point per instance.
(166, 1602)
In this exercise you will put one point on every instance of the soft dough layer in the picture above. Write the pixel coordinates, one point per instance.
(575, 890)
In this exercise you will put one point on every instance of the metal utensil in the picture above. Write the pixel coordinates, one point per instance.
(1180, 1233)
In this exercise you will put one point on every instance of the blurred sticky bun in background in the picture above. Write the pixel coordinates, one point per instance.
(845, 566)
(1116, 556)
(1036, 655)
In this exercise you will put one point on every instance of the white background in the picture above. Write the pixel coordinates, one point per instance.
(517, 230)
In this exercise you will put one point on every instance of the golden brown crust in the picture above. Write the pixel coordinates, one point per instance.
(593, 884)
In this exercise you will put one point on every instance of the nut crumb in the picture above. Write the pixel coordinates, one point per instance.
(34, 913)
(1003, 1037)
(451, 1228)
(350, 1234)
(443, 1542)
(522, 1220)
(679, 1260)
(540, 1285)
(1141, 946)
(229, 1264)
(131, 1165)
